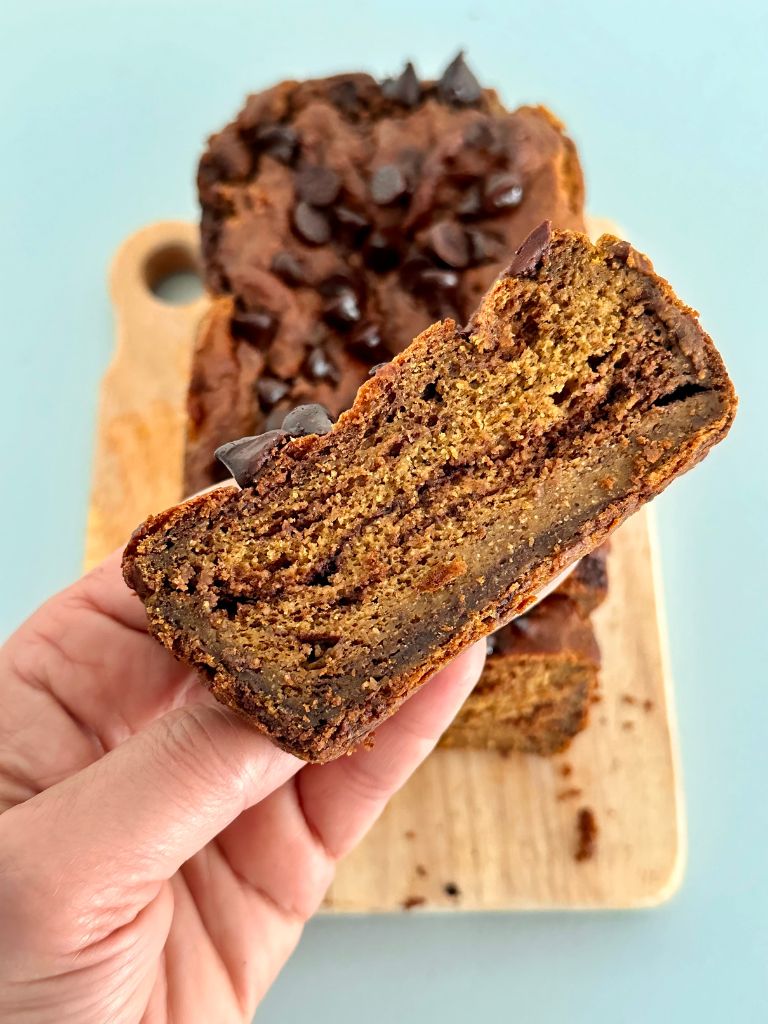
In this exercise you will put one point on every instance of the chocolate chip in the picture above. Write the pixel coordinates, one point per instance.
(247, 456)
(318, 186)
(311, 224)
(345, 96)
(270, 390)
(440, 278)
(256, 326)
(319, 366)
(502, 191)
(483, 246)
(412, 270)
(438, 290)
(279, 141)
(308, 419)
(380, 253)
(367, 342)
(341, 280)
(530, 253)
(624, 253)
(342, 309)
(449, 243)
(387, 184)
(471, 202)
(435, 286)
(451, 889)
(458, 85)
(405, 89)
(351, 226)
(288, 268)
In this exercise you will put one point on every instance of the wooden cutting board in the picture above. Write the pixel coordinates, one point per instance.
(471, 830)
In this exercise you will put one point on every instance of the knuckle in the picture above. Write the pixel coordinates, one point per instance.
(194, 741)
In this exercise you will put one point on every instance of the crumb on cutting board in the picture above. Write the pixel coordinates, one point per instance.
(413, 901)
(586, 834)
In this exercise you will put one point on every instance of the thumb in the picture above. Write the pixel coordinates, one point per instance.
(143, 809)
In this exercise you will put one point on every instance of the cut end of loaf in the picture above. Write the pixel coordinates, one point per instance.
(469, 472)
(539, 680)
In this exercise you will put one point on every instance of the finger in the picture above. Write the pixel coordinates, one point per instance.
(342, 800)
(83, 664)
(132, 818)
(105, 588)
(319, 814)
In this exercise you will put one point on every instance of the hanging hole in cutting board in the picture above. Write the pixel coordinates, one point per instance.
(172, 274)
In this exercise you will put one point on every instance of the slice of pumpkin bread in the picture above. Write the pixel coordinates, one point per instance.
(469, 472)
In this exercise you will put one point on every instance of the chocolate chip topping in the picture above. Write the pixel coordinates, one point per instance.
(345, 96)
(483, 246)
(318, 186)
(412, 270)
(380, 254)
(279, 141)
(624, 253)
(437, 287)
(530, 253)
(307, 419)
(342, 310)
(367, 342)
(256, 326)
(449, 243)
(270, 390)
(247, 456)
(311, 224)
(502, 191)
(351, 227)
(319, 366)
(471, 203)
(439, 279)
(405, 89)
(288, 269)
(458, 86)
(387, 184)
(394, 226)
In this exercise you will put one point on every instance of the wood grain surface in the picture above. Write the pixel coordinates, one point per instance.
(471, 830)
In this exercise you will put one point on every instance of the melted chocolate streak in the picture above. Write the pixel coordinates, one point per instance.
(551, 446)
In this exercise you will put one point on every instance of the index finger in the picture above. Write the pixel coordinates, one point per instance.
(341, 800)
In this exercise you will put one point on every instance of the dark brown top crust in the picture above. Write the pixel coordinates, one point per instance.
(341, 217)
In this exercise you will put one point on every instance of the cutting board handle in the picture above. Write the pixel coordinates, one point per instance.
(142, 401)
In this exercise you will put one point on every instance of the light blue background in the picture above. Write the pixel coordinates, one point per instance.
(104, 109)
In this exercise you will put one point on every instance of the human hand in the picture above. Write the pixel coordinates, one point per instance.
(158, 857)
